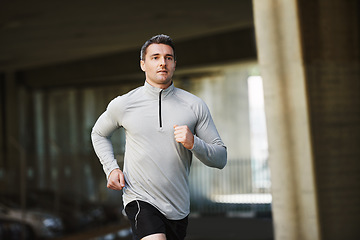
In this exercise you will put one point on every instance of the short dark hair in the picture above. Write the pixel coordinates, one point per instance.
(158, 39)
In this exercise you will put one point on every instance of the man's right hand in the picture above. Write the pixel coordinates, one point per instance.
(116, 180)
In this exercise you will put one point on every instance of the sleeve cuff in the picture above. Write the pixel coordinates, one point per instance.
(196, 144)
(110, 168)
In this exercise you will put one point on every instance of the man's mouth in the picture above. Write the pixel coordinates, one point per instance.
(162, 71)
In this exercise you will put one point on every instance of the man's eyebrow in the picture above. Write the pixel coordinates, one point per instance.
(157, 54)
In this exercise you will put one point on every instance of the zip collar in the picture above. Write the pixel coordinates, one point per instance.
(154, 91)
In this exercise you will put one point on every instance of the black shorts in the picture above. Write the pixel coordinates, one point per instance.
(146, 220)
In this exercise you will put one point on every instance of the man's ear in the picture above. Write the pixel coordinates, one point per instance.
(142, 65)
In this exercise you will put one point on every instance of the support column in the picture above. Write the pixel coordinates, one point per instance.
(2, 130)
(291, 160)
(10, 133)
(331, 52)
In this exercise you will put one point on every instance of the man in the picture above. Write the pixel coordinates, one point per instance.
(164, 126)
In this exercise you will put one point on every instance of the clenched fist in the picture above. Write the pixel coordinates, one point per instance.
(184, 136)
(116, 180)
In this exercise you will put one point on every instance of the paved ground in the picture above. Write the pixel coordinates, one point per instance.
(200, 228)
(223, 228)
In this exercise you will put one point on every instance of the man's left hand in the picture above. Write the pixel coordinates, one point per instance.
(184, 136)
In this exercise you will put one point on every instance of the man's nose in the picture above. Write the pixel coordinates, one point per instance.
(162, 62)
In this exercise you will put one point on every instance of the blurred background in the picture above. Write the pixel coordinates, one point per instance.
(280, 77)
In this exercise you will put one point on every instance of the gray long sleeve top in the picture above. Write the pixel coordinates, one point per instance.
(156, 167)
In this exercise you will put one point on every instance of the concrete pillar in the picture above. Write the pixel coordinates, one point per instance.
(2, 132)
(331, 52)
(12, 162)
(290, 150)
(2, 126)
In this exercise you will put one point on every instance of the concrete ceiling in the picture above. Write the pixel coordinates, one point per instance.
(43, 32)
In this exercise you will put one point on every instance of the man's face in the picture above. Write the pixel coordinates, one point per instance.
(159, 65)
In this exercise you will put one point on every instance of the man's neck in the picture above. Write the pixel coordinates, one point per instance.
(161, 86)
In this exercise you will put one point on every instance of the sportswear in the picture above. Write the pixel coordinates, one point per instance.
(156, 167)
(146, 220)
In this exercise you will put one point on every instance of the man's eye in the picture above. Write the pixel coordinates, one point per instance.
(155, 58)
(170, 58)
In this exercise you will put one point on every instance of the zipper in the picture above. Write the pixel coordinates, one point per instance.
(160, 121)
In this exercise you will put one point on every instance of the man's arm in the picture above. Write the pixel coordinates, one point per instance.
(207, 146)
(100, 136)
(212, 154)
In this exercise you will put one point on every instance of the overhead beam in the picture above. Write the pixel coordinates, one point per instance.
(214, 49)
